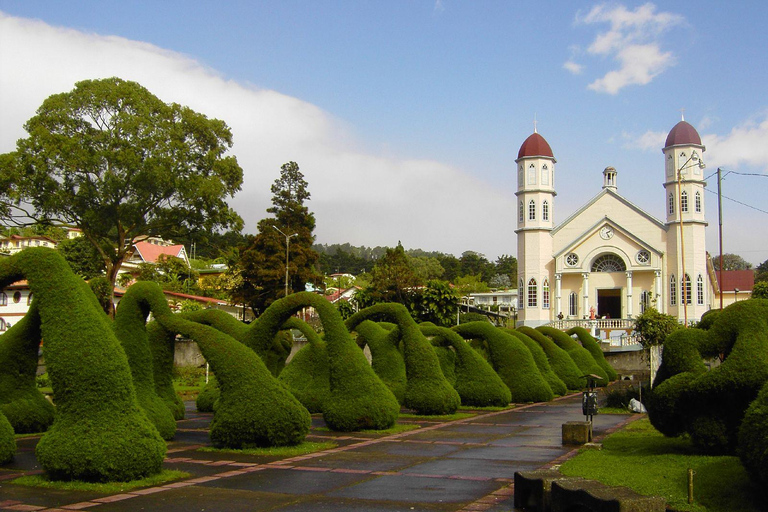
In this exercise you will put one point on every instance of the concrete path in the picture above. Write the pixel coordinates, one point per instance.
(464, 465)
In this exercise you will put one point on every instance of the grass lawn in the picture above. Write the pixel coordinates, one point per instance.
(641, 458)
(163, 477)
(276, 451)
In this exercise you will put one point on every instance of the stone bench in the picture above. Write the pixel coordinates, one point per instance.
(548, 490)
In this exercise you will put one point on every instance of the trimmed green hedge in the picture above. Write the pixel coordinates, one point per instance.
(476, 382)
(99, 433)
(130, 328)
(427, 390)
(7, 441)
(710, 405)
(358, 399)
(589, 343)
(386, 355)
(207, 397)
(20, 400)
(753, 441)
(559, 360)
(162, 345)
(542, 363)
(511, 360)
(578, 353)
(307, 375)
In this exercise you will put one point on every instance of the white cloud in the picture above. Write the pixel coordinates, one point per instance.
(357, 197)
(632, 41)
(573, 67)
(649, 141)
(743, 146)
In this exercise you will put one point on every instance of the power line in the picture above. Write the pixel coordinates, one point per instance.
(736, 201)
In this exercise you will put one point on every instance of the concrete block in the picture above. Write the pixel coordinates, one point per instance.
(532, 489)
(577, 432)
(568, 495)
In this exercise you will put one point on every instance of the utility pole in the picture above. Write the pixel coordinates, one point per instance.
(287, 246)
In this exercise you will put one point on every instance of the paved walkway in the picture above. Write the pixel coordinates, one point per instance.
(464, 465)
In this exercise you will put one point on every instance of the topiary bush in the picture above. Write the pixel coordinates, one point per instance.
(206, 398)
(130, 328)
(476, 382)
(20, 401)
(559, 360)
(162, 347)
(710, 405)
(511, 360)
(753, 442)
(7, 440)
(581, 356)
(307, 375)
(386, 355)
(589, 343)
(542, 363)
(427, 390)
(99, 432)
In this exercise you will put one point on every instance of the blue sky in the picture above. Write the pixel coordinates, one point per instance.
(406, 116)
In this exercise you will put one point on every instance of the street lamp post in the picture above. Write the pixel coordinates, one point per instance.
(685, 289)
(287, 246)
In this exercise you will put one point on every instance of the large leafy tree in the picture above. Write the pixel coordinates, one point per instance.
(112, 159)
(393, 279)
(263, 264)
(731, 262)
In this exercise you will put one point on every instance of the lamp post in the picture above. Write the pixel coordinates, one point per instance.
(287, 246)
(685, 290)
(735, 295)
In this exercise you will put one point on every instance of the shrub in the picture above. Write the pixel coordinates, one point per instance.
(581, 356)
(20, 401)
(7, 441)
(620, 395)
(542, 363)
(427, 390)
(753, 442)
(589, 343)
(476, 382)
(511, 360)
(206, 399)
(307, 376)
(559, 360)
(386, 357)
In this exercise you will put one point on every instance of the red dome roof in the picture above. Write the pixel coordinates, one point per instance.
(683, 134)
(535, 145)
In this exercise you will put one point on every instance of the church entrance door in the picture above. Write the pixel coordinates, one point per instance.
(609, 303)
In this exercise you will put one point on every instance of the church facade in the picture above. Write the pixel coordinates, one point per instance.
(611, 259)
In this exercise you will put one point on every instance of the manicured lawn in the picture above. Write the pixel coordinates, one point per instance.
(163, 477)
(277, 451)
(641, 458)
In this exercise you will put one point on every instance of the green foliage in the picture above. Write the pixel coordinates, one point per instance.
(427, 391)
(437, 303)
(753, 443)
(710, 405)
(465, 318)
(589, 343)
(562, 364)
(188, 306)
(82, 256)
(511, 360)
(731, 262)
(475, 380)
(206, 399)
(760, 290)
(99, 433)
(112, 159)
(345, 309)
(542, 363)
(471, 284)
(102, 289)
(581, 356)
(386, 355)
(307, 376)
(619, 396)
(7, 441)
(263, 264)
(393, 279)
(20, 401)
(654, 327)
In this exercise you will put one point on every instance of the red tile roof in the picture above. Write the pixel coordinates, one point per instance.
(744, 280)
(150, 252)
(535, 145)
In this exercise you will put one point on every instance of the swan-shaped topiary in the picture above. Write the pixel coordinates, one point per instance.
(307, 375)
(427, 390)
(559, 360)
(7, 440)
(542, 363)
(512, 361)
(20, 400)
(589, 343)
(580, 355)
(99, 432)
(386, 355)
(753, 443)
(476, 382)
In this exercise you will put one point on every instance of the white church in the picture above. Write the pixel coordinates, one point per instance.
(610, 259)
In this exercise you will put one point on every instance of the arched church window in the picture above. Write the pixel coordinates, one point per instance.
(533, 294)
(520, 294)
(531, 174)
(672, 290)
(608, 263)
(685, 289)
(520, 177)
(545, 294)
(532, 210)
(572, 259)
(573, 304)
(684, 201)
(545, 175)
(671, 204)
(545, 210)
(697, 202)
(521, 213)
(700, 290)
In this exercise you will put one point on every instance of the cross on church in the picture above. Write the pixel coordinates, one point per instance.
(682, 114)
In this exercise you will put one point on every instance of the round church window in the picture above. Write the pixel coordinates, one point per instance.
(572, 259)
(643, 257)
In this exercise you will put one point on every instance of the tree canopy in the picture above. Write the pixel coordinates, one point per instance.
(731, 262)
(112, 159)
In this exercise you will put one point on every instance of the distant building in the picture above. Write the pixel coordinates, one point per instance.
(736, 285)
(504, 300)
(16, 243)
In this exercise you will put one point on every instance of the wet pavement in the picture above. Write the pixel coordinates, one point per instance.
(462, 465)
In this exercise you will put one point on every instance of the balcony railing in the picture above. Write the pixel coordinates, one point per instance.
(602, 324)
